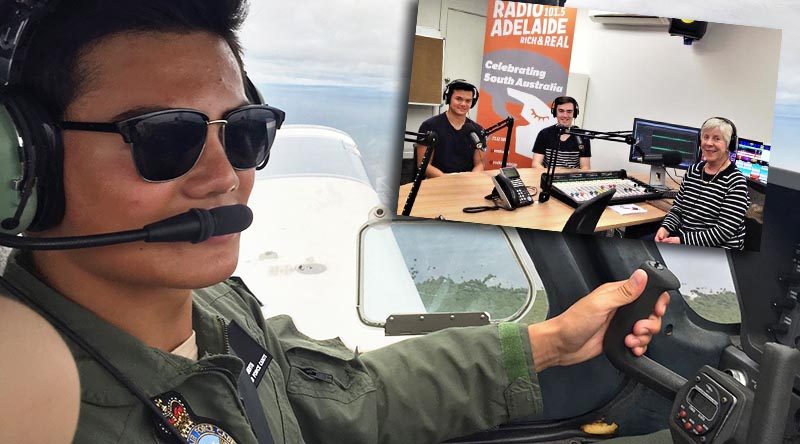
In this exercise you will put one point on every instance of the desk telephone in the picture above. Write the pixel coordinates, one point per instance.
(509, 190)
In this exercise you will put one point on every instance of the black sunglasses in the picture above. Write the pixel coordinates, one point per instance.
(167, 144)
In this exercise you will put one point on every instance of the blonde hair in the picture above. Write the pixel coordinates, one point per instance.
(724, 126)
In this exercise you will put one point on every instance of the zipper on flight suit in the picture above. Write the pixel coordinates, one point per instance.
(227, 350)
(225, 339)
(319, 376)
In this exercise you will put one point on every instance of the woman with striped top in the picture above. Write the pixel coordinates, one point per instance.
(712, 201)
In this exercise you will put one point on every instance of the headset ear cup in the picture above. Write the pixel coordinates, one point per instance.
(564, 99)
(38, 133)
(448, 91)
(17, 178)
(734, 143)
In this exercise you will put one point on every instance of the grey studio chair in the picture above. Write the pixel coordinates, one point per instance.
(584, 219)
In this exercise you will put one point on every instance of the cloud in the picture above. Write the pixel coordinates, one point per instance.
(329, 42)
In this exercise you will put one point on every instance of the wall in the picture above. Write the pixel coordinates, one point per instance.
(644, 72)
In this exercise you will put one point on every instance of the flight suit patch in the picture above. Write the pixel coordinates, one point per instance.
(194, 429)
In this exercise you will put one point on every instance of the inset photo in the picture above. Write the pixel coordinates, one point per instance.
(590, 122)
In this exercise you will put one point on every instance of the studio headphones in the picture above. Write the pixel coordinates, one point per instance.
(31, 150)
(734, 142)
(562, 100)
(460, 84)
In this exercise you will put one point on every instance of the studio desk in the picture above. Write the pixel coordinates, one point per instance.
(445, 197)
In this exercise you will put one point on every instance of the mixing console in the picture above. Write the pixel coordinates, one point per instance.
(576, 188)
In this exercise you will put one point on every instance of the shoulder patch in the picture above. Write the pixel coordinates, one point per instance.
(194, 429)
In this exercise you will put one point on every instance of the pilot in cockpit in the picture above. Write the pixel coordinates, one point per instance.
(142, 110)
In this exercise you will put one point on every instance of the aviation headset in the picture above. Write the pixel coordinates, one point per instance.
(31, 151)
(734, 142)
(562, 100)
(460, 84)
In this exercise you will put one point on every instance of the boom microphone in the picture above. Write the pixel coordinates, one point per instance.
(652, 158)
(476, 141)
(668, 159)
(198, 225)
(426, 138)
(195, 225)
(672, 158)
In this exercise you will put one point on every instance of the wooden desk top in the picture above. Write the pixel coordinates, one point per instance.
(446, 196)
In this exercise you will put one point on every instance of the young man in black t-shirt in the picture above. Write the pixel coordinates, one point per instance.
(455, 151)
(573, 151)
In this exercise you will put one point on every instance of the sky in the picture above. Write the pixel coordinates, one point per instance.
(339, 63)
(342, 43)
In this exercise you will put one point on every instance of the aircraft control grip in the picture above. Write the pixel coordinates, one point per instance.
(643, 369)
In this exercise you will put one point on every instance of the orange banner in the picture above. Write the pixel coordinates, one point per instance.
(526, 56)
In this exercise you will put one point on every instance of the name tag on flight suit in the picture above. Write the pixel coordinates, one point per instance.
(255, 357)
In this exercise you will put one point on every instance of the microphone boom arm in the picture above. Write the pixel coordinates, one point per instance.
(613, 136)
(508, 123)
(428, 139)
(196, 225)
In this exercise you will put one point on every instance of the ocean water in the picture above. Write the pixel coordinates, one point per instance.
(373, 117)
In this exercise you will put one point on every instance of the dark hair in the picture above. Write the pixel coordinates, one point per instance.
(463, 87)
(52, 72)
(460, 85)
(565, 99)
(561, 101)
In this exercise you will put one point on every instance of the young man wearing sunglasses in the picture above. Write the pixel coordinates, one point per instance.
(149, 98)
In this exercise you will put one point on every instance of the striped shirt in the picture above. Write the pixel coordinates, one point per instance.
(709, 210)
(569, 159)
(570, 151)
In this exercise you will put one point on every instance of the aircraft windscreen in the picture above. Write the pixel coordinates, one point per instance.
(706, 281)
(452, 268)
(314, 156)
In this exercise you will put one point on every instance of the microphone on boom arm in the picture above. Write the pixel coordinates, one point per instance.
(195, 225)
(668, 159)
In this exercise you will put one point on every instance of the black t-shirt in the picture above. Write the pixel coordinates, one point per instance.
(570, 151)
(454, 151)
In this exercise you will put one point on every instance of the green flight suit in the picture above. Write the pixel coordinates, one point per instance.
(422, 390)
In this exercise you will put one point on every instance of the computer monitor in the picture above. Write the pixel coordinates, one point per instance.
(752, 159)
(655, 140)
